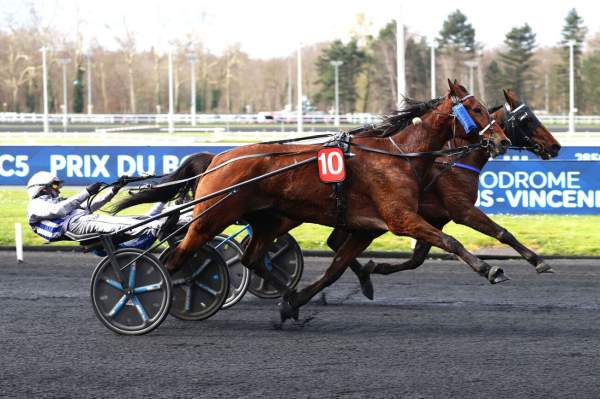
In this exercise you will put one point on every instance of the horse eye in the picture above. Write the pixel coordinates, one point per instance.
(478, 110)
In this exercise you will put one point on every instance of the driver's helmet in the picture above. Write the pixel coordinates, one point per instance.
(41, 180)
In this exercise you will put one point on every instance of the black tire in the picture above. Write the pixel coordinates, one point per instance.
(128, 312)
(200, 286)
(287, 262)
(239, 275)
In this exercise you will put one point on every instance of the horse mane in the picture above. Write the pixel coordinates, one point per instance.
(399, 119)
(495, 108)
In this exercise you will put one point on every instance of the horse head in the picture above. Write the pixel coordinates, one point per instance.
(525, 130)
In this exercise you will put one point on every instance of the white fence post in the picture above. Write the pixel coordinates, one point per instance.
(19, 242)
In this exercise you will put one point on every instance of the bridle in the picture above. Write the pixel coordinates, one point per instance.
(519, 125)
(460, 113)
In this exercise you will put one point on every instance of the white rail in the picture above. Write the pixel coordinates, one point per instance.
(263, 117)
(112, 119)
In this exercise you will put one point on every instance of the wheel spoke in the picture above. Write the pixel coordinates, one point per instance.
(118, 306)
(148, 288)
(132, 275)
(280, 251)
(232, 261)
(113, 283)
(201, 268)
(262, 286)
(281, 270)
(138, 305)
(206, 288)
(179, 281)
(188, 299)
(267, 262)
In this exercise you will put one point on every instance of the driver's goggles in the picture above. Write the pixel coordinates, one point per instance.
(55, 185)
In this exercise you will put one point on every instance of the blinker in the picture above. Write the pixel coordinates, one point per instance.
(460, 112)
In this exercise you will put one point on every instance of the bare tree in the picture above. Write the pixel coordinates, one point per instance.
(128, 49)
(16, 71)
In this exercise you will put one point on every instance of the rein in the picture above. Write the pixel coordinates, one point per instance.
(125, 180)
(206, 172)
(412, 155)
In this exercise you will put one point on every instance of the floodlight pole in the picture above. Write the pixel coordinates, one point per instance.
(299, 89)
(192, 59)
(89, 84)
(289, 88)
(400, 73)
(572, 108)
(64, 62)
(432, 69)
(336, 66)
(472, 65)
(45, 84)
(171, 127)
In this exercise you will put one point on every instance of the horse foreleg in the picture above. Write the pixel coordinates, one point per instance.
(413, 225)
(477, 220)
(354, 245)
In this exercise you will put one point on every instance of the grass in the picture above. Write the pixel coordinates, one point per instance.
(546, 234)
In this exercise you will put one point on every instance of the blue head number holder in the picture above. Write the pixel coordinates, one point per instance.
(460, 112)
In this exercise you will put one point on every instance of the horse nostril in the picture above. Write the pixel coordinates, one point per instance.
(505, 143)
(555, 148)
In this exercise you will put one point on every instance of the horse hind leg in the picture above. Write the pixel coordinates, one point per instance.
(417, 259)
(335, 241)
(265, 229)
(199, 232)
(354, 245)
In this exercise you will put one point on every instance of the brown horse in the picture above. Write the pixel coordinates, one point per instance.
(382, 193)
(451, 192)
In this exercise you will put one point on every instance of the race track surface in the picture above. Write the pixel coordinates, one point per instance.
(439, 331)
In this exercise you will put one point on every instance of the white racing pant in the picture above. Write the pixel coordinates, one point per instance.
(88, 224)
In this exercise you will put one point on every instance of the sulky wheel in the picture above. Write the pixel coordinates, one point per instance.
(239, 276)
(200, 286)
(136, 305)
(285, 260)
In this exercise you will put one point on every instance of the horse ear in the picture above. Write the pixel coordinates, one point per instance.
(452, 87)
(510, 98)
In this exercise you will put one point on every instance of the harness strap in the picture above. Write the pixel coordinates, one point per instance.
(468, 167)
(452, 151)
(241, 157)
(340, 204)
(450, 165)
(412, 166)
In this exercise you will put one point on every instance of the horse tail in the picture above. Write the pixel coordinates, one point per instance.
(192, 166)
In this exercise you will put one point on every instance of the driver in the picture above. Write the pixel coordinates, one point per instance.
(51, 216)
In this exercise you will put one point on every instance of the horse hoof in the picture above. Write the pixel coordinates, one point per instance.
(287, 311)
(366, 285)
(544, 268)
(367, 288)
(496, 275)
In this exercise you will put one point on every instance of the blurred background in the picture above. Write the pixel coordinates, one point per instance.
(91, 90)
